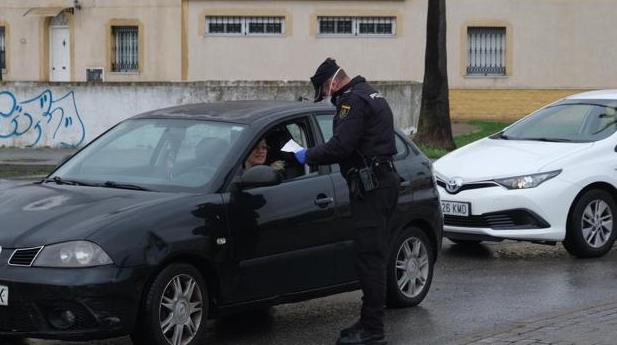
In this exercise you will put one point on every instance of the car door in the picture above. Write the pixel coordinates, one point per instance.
(407, 169)
(282, 234)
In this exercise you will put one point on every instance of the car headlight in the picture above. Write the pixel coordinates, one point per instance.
(527, 181)
(72, 254)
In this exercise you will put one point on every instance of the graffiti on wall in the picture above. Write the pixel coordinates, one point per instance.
(41, 120)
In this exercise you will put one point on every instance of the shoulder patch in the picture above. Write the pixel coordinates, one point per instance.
(376, 95)
(345, 108)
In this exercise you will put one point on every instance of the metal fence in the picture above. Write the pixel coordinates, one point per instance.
(125, 49)
(486, 51)
(2, 50)
(242, 25)
(357, 26)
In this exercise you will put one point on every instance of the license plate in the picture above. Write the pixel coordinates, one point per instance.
(4, 295)
(453, 208)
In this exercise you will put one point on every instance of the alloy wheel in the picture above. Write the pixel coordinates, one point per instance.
(412, 267)
(597, 223)
(180, 310)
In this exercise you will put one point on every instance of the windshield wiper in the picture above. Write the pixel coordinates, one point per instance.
(112, 184)
(500, 135)
(552, 140)
(60, 180)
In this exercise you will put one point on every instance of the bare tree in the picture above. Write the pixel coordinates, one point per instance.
(434, 126)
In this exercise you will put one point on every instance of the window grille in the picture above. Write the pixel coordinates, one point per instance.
(357, 26)
(245, 26)
(486, 51)
(2, 50)
(125, 49)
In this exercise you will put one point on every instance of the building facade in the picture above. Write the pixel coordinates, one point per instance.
(505, 57)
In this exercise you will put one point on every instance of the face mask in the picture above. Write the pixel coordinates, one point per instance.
(329, 96)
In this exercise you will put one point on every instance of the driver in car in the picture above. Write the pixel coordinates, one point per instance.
(258, 157)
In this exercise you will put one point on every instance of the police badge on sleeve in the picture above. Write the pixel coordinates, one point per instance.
(345, 108)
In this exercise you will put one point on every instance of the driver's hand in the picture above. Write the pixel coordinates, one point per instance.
(278, 165)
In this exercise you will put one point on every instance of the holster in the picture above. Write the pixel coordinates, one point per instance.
(362, 181)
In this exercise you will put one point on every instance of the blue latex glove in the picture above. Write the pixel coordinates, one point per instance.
(301, 156)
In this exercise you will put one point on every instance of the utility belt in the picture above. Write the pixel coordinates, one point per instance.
(367, 178)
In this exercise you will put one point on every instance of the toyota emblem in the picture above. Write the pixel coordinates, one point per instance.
(454, 184)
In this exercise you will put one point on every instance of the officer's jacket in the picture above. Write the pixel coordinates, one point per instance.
(363, 129)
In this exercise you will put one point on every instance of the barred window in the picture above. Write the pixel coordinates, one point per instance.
(357, 26)
(245, 26)
(125, 49)
(2, 49)
(486, 51)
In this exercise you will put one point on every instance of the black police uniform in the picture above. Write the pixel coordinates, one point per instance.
(364, 137)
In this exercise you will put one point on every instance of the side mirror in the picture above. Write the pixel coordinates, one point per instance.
(258, 176)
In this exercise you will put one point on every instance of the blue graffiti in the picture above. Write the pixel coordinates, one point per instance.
(57, 121)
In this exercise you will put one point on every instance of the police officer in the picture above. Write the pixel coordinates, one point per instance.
(363, 145)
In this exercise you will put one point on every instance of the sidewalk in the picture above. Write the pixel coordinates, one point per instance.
(593, 325)
(39, 156)
(16, 163)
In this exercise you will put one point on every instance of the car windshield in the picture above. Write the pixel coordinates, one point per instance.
(567, 121)
(152, 154)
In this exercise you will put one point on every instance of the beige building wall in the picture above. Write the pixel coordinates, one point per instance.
(554, 47)
(559, 44)
(159, 33)
(296, 55)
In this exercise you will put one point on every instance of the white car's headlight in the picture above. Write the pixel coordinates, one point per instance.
(527, 181)
(72, 254)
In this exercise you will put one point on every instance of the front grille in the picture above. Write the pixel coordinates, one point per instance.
(504, 220)
(20, 317)
(468, 186)
(24, 257)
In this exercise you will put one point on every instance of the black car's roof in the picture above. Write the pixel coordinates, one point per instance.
(236, 111)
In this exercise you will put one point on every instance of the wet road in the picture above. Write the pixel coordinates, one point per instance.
(474, 291)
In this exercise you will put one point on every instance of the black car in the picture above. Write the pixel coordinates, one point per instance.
(156, 226)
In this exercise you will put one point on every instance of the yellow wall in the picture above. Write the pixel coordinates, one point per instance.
(498, 105)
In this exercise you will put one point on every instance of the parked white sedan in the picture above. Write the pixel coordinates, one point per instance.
(549, 177)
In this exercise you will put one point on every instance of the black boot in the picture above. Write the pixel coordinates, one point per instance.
(345, 331)
(360, 336)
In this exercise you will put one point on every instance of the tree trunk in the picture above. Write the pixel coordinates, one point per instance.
(434, 127)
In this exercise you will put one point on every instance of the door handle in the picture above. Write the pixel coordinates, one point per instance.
(405, 184)
(323, 200)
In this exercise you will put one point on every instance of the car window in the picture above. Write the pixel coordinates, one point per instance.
(570, 120)
(158, 154)
(401, 148)
(325, 125)
(266, 150)
(297, 133)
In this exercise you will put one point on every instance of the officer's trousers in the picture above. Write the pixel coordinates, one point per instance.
(371, 215)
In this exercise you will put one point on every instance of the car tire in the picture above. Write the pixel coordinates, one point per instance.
(412, 260)
(465, 242)
(170, 308)
(591, 228)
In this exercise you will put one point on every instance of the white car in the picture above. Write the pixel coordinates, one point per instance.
(550, 177)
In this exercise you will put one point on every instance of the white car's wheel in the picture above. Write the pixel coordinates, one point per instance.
(591, 228)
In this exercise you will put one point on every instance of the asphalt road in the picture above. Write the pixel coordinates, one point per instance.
(475, 290)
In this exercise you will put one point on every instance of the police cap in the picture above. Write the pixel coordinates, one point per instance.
(324, 72)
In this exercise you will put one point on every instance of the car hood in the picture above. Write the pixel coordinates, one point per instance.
(38, 214)
(490, 158)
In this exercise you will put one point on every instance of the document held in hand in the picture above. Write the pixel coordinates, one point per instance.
(292, 146)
